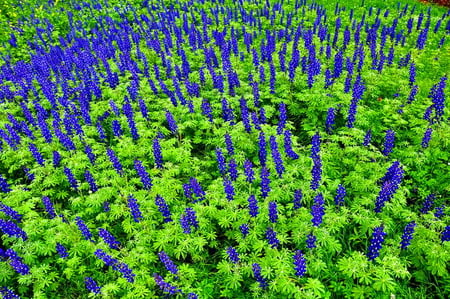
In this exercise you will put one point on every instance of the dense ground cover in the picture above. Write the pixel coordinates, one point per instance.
(234, 149)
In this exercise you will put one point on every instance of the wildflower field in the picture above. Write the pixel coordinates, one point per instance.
(224, 149)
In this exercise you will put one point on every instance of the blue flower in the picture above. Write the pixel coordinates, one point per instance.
(390, 183)
(248, 170)
(428, 204)
(62, 251)
(298, 195)
(299, 263)
(318, 210)
(115, 161)
(143, 175)
(84, 229)
(11, 229)
(221, 161)
(49, 207)
(4, 186)
(163, 208)
(244, 230)
(271, 236)
(229, 189)
(36, 154)
(253, 206)
(340, 195)
(134, 208)
(165, 286)
(407, 235)
(426, 137)
(257, 273)
(171, 122)
(229, 144)
(233, 255)
(265, 182)
(273, 213)
(91, 181)
(376, 243)
(276, 156)
(10, 212)
(311, 241)
(388, 142)
(157, 153)
(108, 238)
(168, 263)
(91, 285)
(329, 124)
(445, 236)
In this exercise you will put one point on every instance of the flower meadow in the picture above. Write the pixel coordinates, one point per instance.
(224, 149)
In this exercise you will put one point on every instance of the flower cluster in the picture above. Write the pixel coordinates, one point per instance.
(49, 207)
(299, 263)
(171, 122)
(91, 181)
(273, 213)
(11, 229)
(446, 234)
(157, 153)
(165, 286)
(262, 153)
(163, 208)
(8, 293)
(253, 206)
(229, 144)
(340, 195)
(229, 189)
(84, 229)
(36, 154)
(15, 261)
(391, 182)
(108, 238)
(257, 273)
(233, 255)
(265, 182)
(316, 171)
(221, 161)
(248, 170)
(283, 118)
(288, 145)
(388, 142)
(298, 195)
(407, 235)
(115, 161)
(143, 174)
(10, 212)
(311, 241)
(376, 243)
(62, 251)
(71, 178)
(276, 156)
(123, 268)
(329, 123)
(91, 285)
(367, 138)
(207, 110)
(168, 263)
(4, 187)
(428, 203)
(232, 169)
(426, 137)
(245, 230)
(134, 208)
(271, 236)
(188, 219)
(318, 210)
